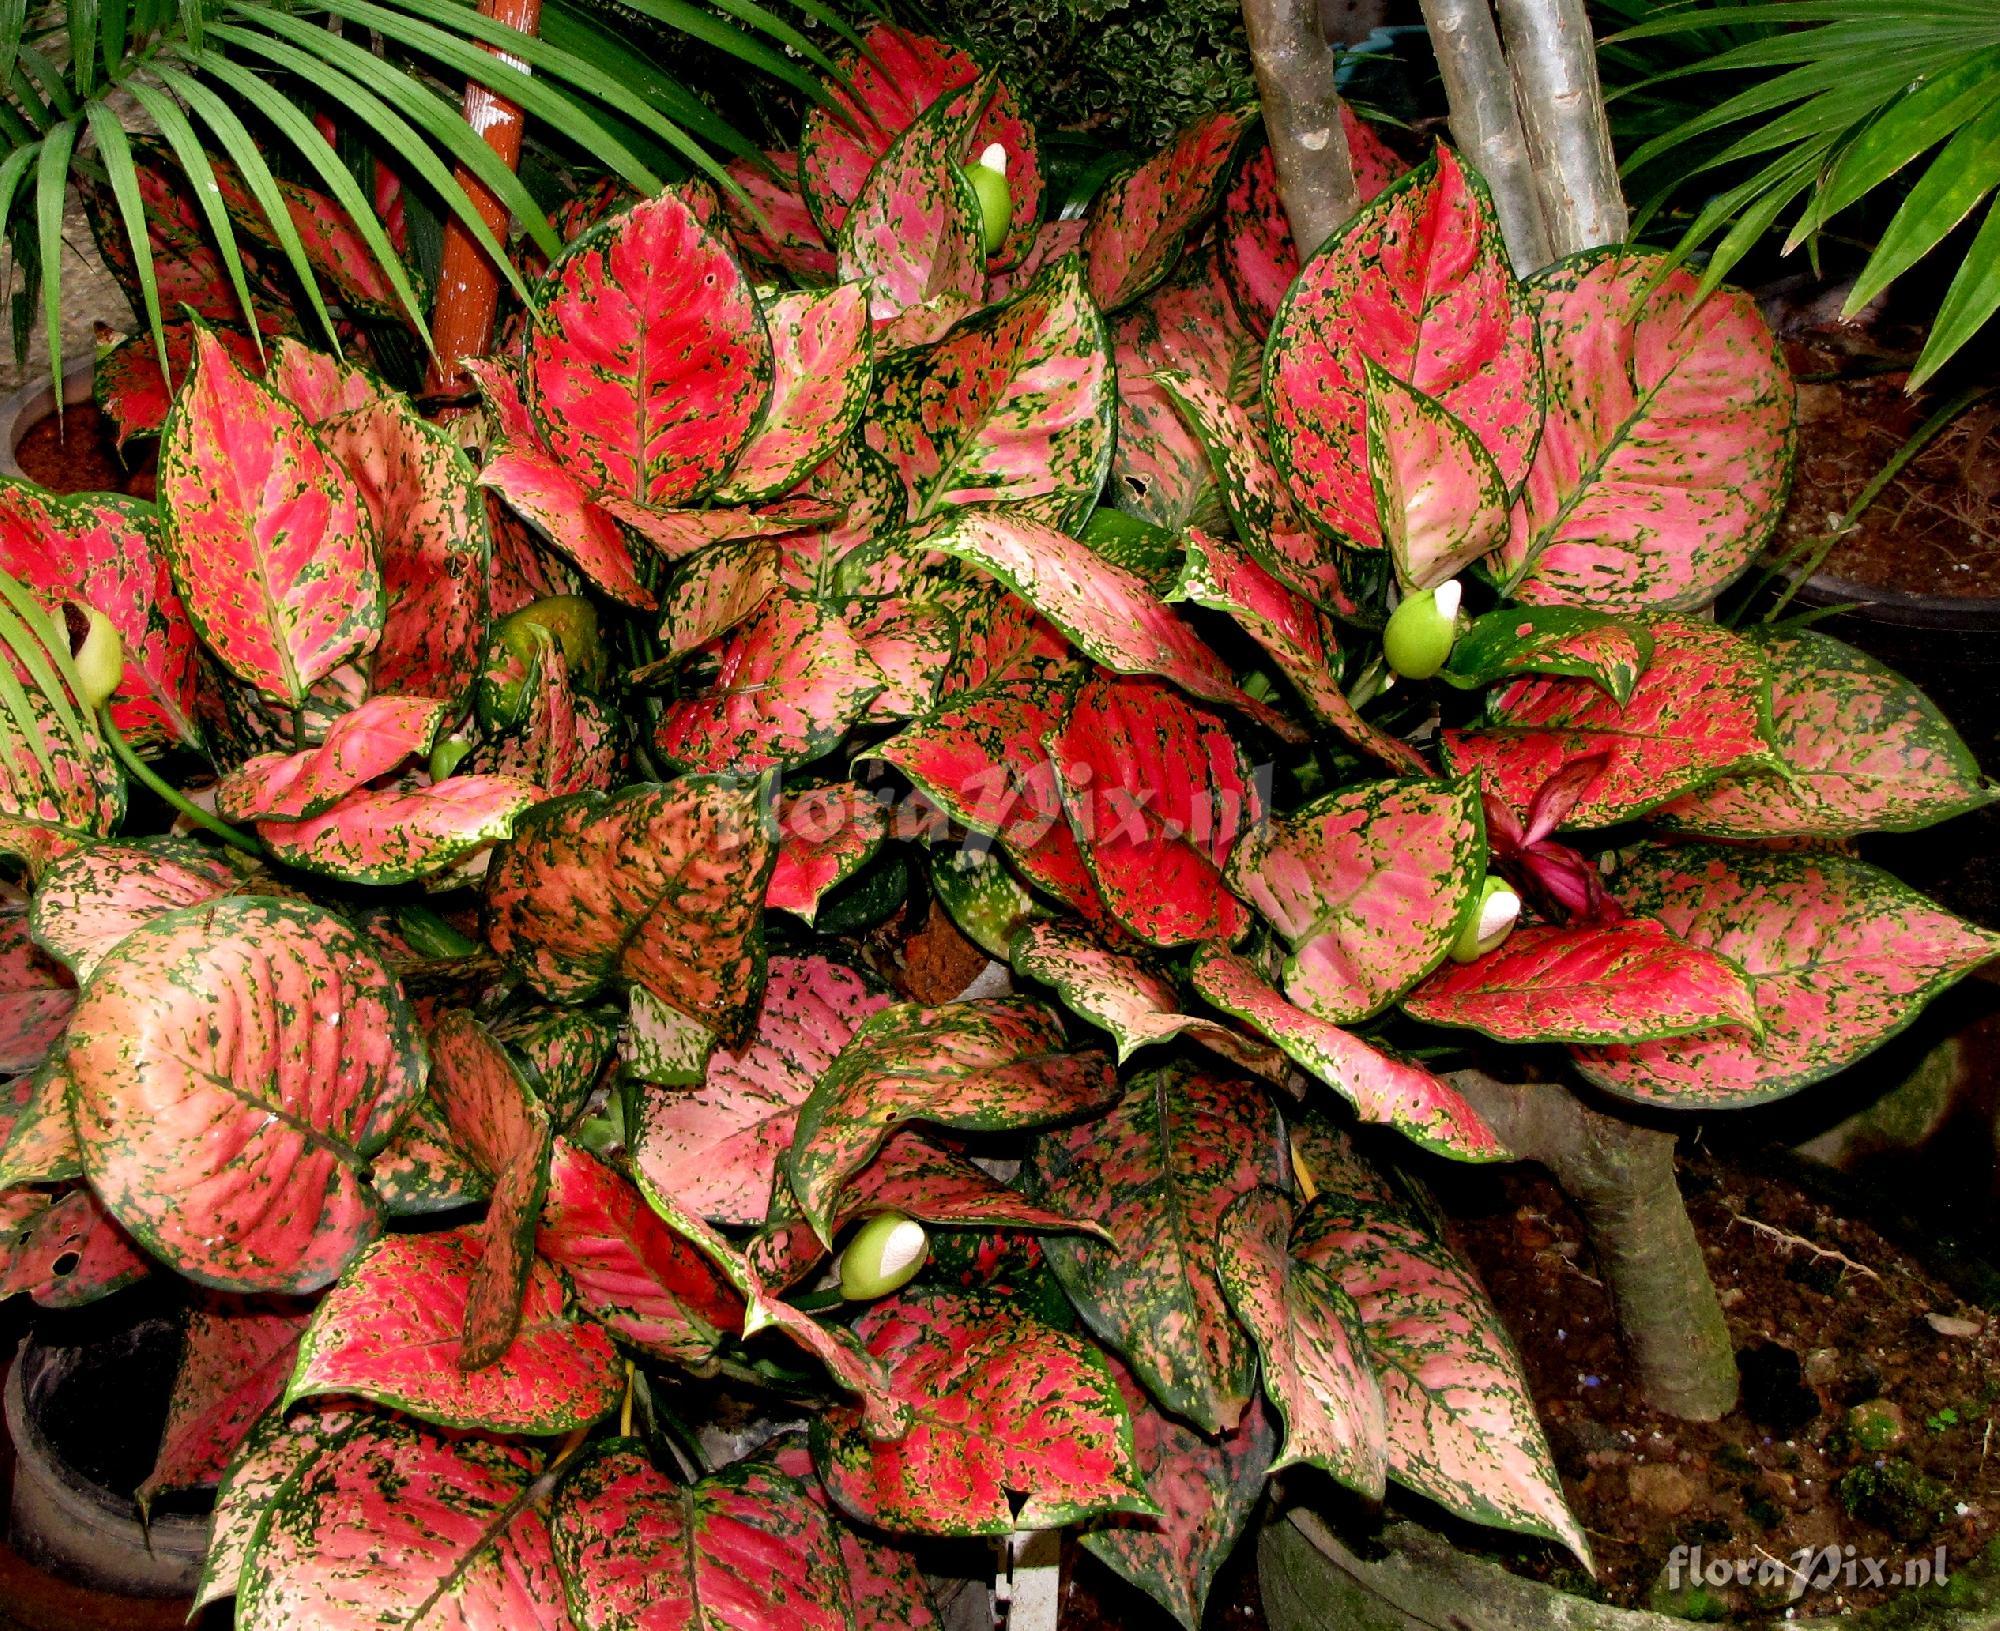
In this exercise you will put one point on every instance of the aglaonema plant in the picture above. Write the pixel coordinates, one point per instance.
(496, 1054)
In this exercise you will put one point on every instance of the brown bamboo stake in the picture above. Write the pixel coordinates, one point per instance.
(1553, 58)
(1295, 83)
(1486, 124)
(468, 297)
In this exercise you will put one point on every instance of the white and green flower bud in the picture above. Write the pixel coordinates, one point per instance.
(988, 175)
(883, 1256)
(99, 657)
(1422, 630)
(1499, 910)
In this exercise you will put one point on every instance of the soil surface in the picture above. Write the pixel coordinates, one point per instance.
(77, 452)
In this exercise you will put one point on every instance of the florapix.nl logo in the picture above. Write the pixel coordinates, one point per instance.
(1809, 1569)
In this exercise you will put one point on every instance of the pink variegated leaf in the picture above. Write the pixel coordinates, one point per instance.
(1840, 957)
(470, 1550)
(779, 689)
(88, 902)
(716, 590)
(1382, 1088)
(983, 1066)
(1695, 715)
(1015, 405)
(974, 1462)
(885, 1589)
(232, 1066)
(782, 232)
(820, 357)
(980, 759)
(746, 1546)
(1612, 982)
(235, 1356)
(277, 1448)
(626, 1268)
(715, 1148)
(648, 366)
(1158, 794)
(318, 385)
(1053, 240)
(1439, 499)
(1668, 447)
(1612, 652)
(1316, 1366)
(1157, 1175)
(135, 390)
(1368, 887)
(1138, 223)
(911, 643)
(1418, 283)
(35, 998)
(361, 746)
(37, 1138)
(563, 1053)
(1106, 611)
(1858, 748)
(37, 845)
(267, 536)
(1002, 641)
(868, 502)
(675, 533)
(397, 836)
(68, 1251)
(521, 569)
(659, 886)
(1462, 1427)
(424, 1169)
(1207, 1491)
(825, 836)
(389, 1332)
(912, 236)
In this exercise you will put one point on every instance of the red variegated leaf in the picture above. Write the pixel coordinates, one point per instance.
(269, 541)
(35, 1000)
(392, 1524)
(975, 1462)
(715, 1148)
(1611, 982)
(318, 385)
(1418, 283)
(1696, 714)
(397, 837)
(1316, 1366)
(1052, 240)
(1462, 1427)
(1439, 499)
(627, 1269)
(278, 1447)
(1382, 1088)
(1860, 750)
(716, 590)
(820, 358)
(648, 366)
(1158, 794)
(390, 1329)
(780, 689)
(1368, 886)
(424, 1169)
(825, 836)
(68, 1252)
(1668, 447)
(360, 746)
(746, 1546)
(1014, 405)
(911, 643)
(1611, 652)
(1840, 958)
(885, 1589)
(1207, 1491)
(564, 1054)
(782, 232)
(983, 1066)
(89, 901)
(235, 1356)
(659, 886)
(1138, 223)
(232, 1066)
(37, 1139)
(1157, 1174)
(135, 390)
(912, 236)
(675, 533)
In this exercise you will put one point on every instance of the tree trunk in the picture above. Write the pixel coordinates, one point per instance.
(468, 295)
(1295, 83)
(1554, 63)
(1486, 124)
(1621, 1178)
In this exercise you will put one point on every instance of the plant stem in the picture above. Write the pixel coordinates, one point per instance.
(1486, 123)
(148, 777)
(1295, 82)
(1554, 63)
(1620, 1176)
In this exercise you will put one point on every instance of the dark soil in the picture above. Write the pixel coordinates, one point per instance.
(77, 452)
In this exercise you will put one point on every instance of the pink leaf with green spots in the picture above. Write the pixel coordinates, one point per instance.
(389, 1331)
(1139, 222)
(360, 747)
(318, 385)
(821, 371)
(1157, 1175)
(1382, 1088)
(885, 1589)
(1418, 283)
(67, 1252)
(424, 1169)
(1611, 652)
(1368, 887)
(267, 536)
(89, 901)
(399, 836)
(392, 1524)
(648, 366)
(235, 1357)
(232, 1067)
(825, 836)
(627, 1270)
(1858, 748)
(1696, 714)
(983, 1066)
(1668, 447)
(786, 236)
(974, 1462)
(1014, 405)
(911, 643)
(659, 886)
(35, 1000)
(745, 1546)
(1439, 499)
(135, 392)
(1315, 1360)
(1613, 982)
(278, 1447)
(1840, 957)
(1158, 794)
(912, 236)
(1462, 1427)
(564, 1054)
(37, 1139)
(714, 1148)
(714, 591)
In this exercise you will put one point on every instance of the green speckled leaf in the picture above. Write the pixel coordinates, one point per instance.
(1610, 651)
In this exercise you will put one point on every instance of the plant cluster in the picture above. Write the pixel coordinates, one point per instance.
(493, 1079)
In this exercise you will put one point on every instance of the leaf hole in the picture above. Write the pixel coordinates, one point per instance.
(67, 1264)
